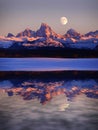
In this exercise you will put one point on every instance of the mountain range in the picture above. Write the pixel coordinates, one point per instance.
(46, 37)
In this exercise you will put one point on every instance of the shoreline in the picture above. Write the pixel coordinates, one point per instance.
(49, 74)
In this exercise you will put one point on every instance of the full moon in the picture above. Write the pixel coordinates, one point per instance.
(63, 20)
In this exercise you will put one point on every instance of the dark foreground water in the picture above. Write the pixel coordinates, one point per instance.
(48, 103)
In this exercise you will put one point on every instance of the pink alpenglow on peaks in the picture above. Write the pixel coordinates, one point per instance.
(46, 31)
(46, 37)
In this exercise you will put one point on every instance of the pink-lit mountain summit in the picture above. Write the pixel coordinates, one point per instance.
(46, 37)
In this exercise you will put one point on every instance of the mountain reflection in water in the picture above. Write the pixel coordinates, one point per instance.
(34, 104)
(44, 91)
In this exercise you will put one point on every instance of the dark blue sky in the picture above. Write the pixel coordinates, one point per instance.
(16, 15)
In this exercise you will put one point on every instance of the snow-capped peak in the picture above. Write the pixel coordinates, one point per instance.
(71, 33)
(44, 24)
(10, 35)
(46, 31)
(46, 37)
(27, 32)
(93, 34)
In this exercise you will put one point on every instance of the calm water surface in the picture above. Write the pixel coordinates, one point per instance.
(48, 104)
(47, 64)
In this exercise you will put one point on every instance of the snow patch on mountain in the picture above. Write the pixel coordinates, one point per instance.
(5, 44)
(43, 42)
(83, 46)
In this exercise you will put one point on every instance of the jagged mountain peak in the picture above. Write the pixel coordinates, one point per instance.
(45, 31)
(10, 35)
(92, 33)
(27, 29)
(45, 28)
(96, 31)
(72, 33)
(27, 32)
(44, 24)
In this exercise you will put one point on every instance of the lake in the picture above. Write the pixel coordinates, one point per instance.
(48, 94)
(48, 103)
(47, 64)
